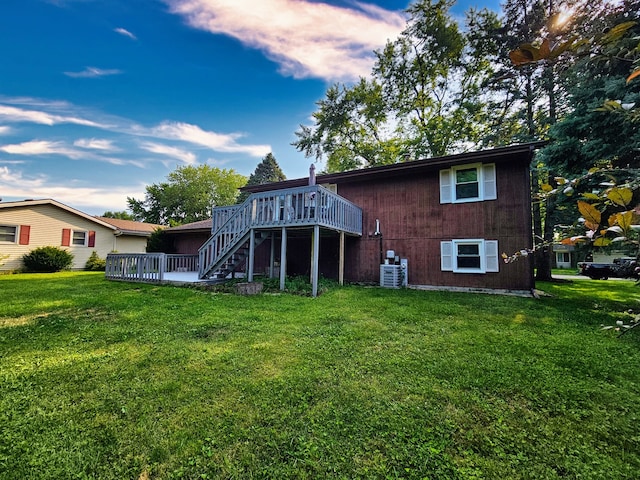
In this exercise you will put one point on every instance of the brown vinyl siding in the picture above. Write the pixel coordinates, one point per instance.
(413, 223)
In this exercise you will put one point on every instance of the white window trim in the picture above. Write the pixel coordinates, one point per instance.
(486, 183)
(86, 238)
(488, 249)
(16, 235)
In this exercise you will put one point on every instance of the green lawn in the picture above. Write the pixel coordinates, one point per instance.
(109, 380)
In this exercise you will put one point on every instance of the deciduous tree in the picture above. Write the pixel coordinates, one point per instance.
(187, 196)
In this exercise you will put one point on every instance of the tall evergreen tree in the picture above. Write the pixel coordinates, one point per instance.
(267, 171)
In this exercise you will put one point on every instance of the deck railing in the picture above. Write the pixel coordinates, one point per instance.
(147, 267)
(292, 207)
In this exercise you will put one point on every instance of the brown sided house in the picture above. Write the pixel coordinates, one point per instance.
(445, 220)
(449, 217)
(29, 224)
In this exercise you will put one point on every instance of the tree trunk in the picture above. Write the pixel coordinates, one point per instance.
(545, 255)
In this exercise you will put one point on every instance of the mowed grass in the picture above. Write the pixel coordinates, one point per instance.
(109, 380)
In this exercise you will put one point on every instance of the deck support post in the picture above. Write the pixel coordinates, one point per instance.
(341, 260)
(283, 258)
(314, 260)
(272, 256)
(252, 248)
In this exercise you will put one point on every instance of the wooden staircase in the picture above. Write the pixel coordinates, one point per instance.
(239, 228)
(223, 269)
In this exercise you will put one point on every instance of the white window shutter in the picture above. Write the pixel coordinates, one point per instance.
(446, 186)
(492, 258)
(446, 256)
(489, 181)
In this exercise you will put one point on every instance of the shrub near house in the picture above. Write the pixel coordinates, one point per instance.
(47, 260)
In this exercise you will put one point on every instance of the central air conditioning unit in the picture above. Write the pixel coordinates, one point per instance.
(390, 276)
(394, 275)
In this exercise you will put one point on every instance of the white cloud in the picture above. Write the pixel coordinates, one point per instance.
(5, 130)
(36, 147)
(125, 32)
(44, 147)
(173, 152)
(93, 72)
(96, 144)
(15, 114)
(53, 113)
(215, 141)
(92, 200)
(307, 39)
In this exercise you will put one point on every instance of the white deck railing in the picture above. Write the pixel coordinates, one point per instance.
(292, 207)
(147, 267)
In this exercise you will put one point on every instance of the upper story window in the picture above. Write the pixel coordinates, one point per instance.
(468, 183)
(8, 233)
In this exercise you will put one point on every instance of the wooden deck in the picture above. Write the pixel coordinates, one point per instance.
(238, 229)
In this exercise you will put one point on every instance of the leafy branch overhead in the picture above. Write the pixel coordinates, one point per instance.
(547, 50)
(608, 207)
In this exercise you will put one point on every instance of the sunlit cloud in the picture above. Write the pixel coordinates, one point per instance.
(125, 32)
(46, 148)
(15, 114)
(52, 113)
(96, 144)
(216, 141)
(37, 147)
(173, 152)
(93, 72)
(13, 184)
(307, 39)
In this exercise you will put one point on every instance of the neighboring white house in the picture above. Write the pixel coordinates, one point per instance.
(29, 224)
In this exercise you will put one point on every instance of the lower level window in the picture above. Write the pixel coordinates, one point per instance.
(8, 233)
(469, 256)
(79, 238)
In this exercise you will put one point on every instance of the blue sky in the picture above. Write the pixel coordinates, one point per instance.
(99, 98)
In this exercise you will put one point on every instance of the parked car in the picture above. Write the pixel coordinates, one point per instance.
(620, 268)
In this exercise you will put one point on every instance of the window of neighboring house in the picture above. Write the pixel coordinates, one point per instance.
(79, 237)
(8, 233)
(469, 256)
(563, 257)
(468, 183)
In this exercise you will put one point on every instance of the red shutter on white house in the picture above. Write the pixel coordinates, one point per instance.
(92, 238)
(25, 230)
(66, 237)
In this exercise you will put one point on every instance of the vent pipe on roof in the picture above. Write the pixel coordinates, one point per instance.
(312, 175)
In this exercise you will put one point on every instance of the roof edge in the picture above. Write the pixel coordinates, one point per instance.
(400, 168)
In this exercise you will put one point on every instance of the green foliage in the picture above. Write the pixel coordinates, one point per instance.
(111, 380)
(187, 196)
(123, 215)
(422, 99)
(159, 241)
(267, 171)
(47, 259)
(95, 263)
